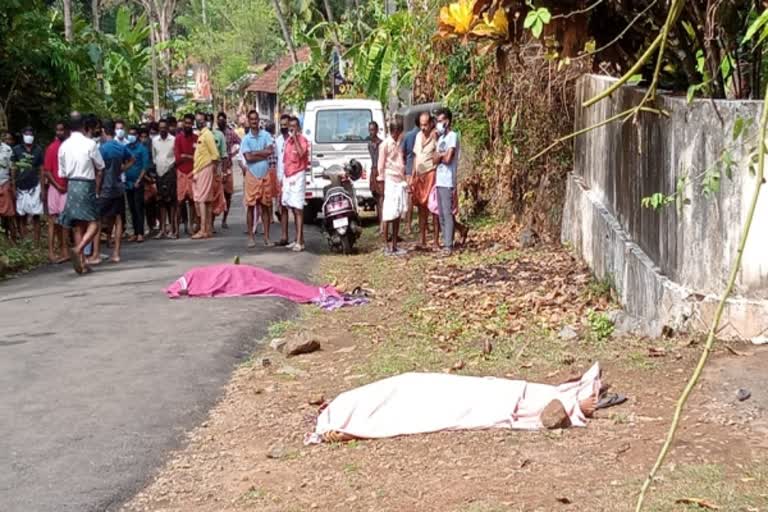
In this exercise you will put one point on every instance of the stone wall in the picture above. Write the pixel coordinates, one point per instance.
(668, 265)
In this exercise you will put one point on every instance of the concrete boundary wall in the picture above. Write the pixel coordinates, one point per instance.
(668, 266)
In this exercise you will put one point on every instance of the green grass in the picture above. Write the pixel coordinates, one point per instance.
(281, 328)
(741, 489)
(23, 256)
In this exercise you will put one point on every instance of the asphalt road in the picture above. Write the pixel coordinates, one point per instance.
(101, 375)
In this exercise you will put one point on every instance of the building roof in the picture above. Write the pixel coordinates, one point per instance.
(268, 81)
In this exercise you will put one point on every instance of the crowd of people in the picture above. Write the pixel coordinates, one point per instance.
(169, 174)
(180, 173)
(417, 169)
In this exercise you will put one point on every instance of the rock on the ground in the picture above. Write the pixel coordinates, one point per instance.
(568, 333)
(278, 344)
(316, 399)
(743, 394)
(528, 237)
(555, 416)
(301, 345)
(276, 452)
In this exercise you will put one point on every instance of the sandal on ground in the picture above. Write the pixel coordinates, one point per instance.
(610, 400)
(251, 244)
(74, 258)
(298, 248)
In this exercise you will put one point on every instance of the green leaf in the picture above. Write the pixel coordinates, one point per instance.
(756, 25)
(544, 15)
(530, 19)
(537, 28)
(738, 127)
(635, 79)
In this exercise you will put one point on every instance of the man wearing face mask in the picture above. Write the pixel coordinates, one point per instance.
(184, 153)
(120, 132)
(27, 164)
(206, 157)
(447, 160)
(134, 183)
(233, 147)
(55, 192)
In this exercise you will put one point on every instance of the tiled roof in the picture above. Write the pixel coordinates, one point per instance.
(268, 81)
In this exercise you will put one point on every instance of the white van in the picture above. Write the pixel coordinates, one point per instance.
(338, 131)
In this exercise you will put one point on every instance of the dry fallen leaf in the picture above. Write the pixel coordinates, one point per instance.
(657, 352)
(458, 365)
(699, 502)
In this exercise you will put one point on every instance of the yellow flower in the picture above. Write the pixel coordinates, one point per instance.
(457, 18)
(498, 26)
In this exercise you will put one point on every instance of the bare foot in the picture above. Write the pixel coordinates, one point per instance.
(198, 236)
(93, 261)
(115, 259)
(588, 406)
(140, 239)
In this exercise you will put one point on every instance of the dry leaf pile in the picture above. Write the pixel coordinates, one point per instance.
(508, 289)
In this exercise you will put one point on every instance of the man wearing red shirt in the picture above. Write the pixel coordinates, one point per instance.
(295, 163)
(55, 196)
(184, 152)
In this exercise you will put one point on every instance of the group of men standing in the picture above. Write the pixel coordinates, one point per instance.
(85, 177)
(418, 168)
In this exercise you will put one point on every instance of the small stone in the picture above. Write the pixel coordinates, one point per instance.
(528, 237)
(568, 333)
(293, 372)
(554, 416)
(278, 344)
(265, 362)
(301, 345)
(743, 394)
(276, 452)
(317, 400)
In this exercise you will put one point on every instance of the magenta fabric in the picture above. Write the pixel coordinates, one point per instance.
(229, 280)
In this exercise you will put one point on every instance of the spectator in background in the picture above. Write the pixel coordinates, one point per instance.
(447, 161)
(7, 194)
(55, 192)
(165, 167)
(392, 168)
(423, 177)
(376, 182)
(296, 162)
(184, 153)
(134, 183)
(80, 163)
(27, 165)
(203, 174)
(151, 209)
(172, 125)
(117, 159)
(272, 163)
(257, 148)
(219, 201)
(228, 179)
(280, 141)
(120, 132)
(409, 141)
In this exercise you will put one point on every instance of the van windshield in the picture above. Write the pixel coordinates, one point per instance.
(334, 126)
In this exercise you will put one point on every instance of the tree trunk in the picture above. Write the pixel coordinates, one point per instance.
(95, 15)
(68, 35)
(155, 87)
(286, 33)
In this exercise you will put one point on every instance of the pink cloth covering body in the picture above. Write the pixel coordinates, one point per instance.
(229, 280)
(415, 403)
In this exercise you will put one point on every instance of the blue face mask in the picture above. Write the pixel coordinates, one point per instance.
(131, 139)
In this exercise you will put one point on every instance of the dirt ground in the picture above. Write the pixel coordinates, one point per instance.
(494, 309)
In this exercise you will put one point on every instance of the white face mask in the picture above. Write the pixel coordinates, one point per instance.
(441, 128)
(208, 124)
(29, 139)
(120, 133)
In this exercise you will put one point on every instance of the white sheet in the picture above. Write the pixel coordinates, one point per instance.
(414, 403)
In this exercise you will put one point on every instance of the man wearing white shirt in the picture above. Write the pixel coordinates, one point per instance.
(285, 120)
(165, 167)
(80, 163)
